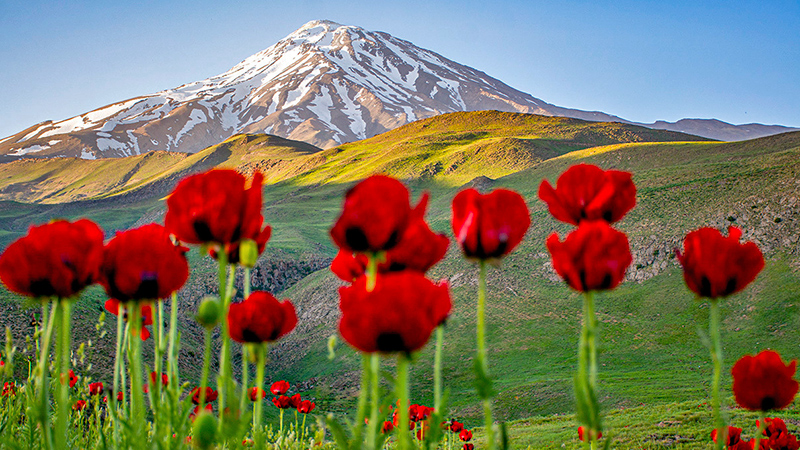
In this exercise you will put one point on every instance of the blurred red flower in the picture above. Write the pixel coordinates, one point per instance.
(387, 427)
(465, 435)
(256, 394)
(71, 376)
(9, 389)
(592, 257)
(260, 318)
(398, 315)
(282, 402)
(79, 405)
(774, 427)
(763, 382)
(718, 266)
(279, 387)
(469, 446)
(120, 396)
(112, 305)
(374, 216)
(216, 207)
(734, 436)
(143, 264)
(294, 401)
(456, 426)
(211, 395)
(306, 406)
(96, 388)
(56, 259)
(587, 192)
(164, 379)
(489, 226)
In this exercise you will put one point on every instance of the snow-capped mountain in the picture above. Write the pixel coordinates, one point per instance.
(324, 84)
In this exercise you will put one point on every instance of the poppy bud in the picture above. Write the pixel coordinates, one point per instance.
(209, 313)
(248, 252)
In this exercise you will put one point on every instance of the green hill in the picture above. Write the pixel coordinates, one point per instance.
(650, 351)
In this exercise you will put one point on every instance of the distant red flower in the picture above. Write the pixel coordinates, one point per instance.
(717, 266)
(279, 387)
(164, 379)
(422, 430)
(489, 226)
(256, 394)
(396, 421)
(387, 427)
(763, 382)
(112, 305)
(282, 402)
(71, 376)
(120, 396)
(56, 259)
(465, 435)
(261, 318)
(79, 405)
(211, 395)
(587, 192)
(419, 413)
(592, 257)
(306, 406)
(143, 264)
(294, 401)
(215, 206)
(9, 389)
(398, 315)
(734, 436)
(581, 433)
(469, 446)
(95, 388)
(196, 411)
(456, 426)
(374, 216)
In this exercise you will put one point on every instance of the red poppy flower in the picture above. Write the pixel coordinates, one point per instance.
(211, 395)
(581, 433)
(784, 441)
(763, 382)
(374, 216)
(774, 427)
(465, 435)
(95, 388)
(717, 266)
(592, 257)
(396, 421)
(387, 427)
(489, 226)
(282, 402)
(306, 406)
(734, 436)
(143, 264)
(469, 446)
(456, 426)
(112, 305)
(120, 396)
(79, 405)
(164, 379)
(422, 431)
(587, 192)
(749, 445)
(398, 315)
(294, 401)
(279, 387)
(9, 389)
(256, 394)
(419, 413)
(260, 318)
(56, 259)
(72, 378)
(215, 206)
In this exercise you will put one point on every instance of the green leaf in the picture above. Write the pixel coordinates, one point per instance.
(338, 432)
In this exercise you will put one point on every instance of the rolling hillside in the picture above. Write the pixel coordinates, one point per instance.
(650, 352)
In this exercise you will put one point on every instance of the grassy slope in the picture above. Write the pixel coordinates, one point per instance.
(648, 335)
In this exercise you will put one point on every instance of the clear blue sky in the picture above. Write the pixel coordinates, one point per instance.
(641, 60)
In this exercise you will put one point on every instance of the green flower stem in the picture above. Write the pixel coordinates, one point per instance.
(63, 351)
(762, 425)
(155, 389)
(245, 380)
(115, 383)
(48, 322)
(482, 360)
(122, 371)
(135, 367)
(206, 367)
(224, 355)
(716, 358)
(303, 433)
(173, 338)
(401, 391)
(261, 361)
(375, 368)
(586, 381)
(437, 370)
(363, 393)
